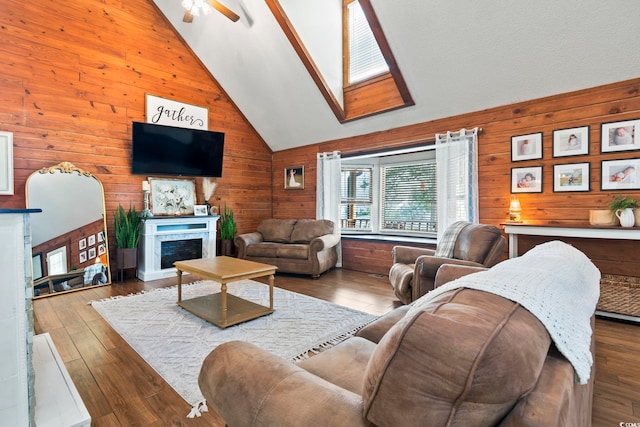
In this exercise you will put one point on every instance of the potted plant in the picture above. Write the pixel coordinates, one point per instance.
(128, 229)
(227, 231)
(622, 207)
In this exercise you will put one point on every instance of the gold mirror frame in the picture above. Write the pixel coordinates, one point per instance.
(84, 245)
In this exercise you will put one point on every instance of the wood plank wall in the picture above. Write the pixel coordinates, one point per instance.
(589, 107)
(73, 76)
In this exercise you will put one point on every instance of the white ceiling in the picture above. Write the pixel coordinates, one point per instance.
(457, 56)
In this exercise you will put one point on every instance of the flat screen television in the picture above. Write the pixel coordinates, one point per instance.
(168, 150)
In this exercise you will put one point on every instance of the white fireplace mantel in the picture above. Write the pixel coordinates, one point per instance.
(166, 229)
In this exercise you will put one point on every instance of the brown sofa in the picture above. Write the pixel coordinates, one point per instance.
(303, 246)
(469, 358)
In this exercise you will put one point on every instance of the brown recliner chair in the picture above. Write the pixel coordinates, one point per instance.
(414, 269)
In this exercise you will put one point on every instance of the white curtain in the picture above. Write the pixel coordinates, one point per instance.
(457, 177)
(328, 192)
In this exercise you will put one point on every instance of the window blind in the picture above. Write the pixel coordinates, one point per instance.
(365, 58)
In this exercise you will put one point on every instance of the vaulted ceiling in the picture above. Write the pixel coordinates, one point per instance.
(456, 57)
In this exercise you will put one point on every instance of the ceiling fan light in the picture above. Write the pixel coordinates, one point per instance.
(187, 17)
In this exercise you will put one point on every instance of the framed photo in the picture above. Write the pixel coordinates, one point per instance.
(620, 174)
(101, 237)
(294, 178)
(92, 253)
(200, 210)
(6, 163)
(91, 240)
(83, 257)
(526, 147)
(571, 177)
(620, 136)
(82, 244)
(526, 180)
(101, 250)
(571, 142)
(172, 197)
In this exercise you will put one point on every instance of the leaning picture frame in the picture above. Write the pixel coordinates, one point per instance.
(294, 178)
(620, 136)
(6, 163)
(200, 210)
(526, 180)
(526, 147)
(571, 141)
(620, 174)
(571, 177)
(172, 197)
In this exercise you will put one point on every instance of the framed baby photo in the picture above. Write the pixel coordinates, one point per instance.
(526, 180)
(571, 177)
(526, 147)
(620, 174)
(571, 141)
(620, 136)
(294, 178)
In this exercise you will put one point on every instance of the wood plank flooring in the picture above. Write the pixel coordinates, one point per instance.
(120, 389)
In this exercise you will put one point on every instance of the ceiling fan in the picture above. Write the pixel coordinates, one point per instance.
(194, 7)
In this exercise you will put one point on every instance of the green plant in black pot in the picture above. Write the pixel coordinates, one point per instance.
(228, 229)
(128, 229)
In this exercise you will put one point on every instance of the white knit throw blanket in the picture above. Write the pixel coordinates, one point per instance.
(554, 281)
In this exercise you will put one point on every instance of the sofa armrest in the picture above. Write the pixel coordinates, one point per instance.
(375, 330)
(248, 386)
(450, 272)
(425, 273)
(409, 254)
(324, 242)
(243, 240)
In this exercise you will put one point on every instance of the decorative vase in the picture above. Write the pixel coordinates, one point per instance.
(626, 217)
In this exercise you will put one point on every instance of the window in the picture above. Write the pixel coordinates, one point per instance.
(57, 261)
(365, 60)
(394, 194)
(356, 197)
(409, 197)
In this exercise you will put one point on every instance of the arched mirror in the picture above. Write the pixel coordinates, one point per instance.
(69, 237)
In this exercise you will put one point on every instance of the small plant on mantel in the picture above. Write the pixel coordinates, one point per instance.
(622, 202)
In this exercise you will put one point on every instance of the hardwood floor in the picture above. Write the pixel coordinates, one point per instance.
(120, 389)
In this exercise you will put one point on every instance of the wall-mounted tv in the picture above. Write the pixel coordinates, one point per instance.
(168, 150)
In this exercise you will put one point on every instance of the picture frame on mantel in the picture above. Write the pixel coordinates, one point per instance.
(161, 111)
(172, 197)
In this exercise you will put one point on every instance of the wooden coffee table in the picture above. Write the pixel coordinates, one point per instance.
(223, 309)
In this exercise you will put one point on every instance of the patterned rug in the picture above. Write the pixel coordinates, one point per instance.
(174, 342)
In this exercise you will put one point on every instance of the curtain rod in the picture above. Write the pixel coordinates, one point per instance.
(404, 144)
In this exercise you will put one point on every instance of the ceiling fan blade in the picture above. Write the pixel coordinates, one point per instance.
(224, 10)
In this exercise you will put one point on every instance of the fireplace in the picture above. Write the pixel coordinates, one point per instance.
(168, 239)
(179, 250)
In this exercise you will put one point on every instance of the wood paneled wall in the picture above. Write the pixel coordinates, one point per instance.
(592, 107)
(73, 76)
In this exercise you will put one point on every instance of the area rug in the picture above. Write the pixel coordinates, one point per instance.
(174, 342)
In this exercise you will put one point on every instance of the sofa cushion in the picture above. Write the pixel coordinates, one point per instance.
(276, 230)
(293, 251)
(465, 358)
(263, 249)
(305, 230)
(475, 241)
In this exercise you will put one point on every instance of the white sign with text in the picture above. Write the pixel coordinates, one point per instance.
(166, 112)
